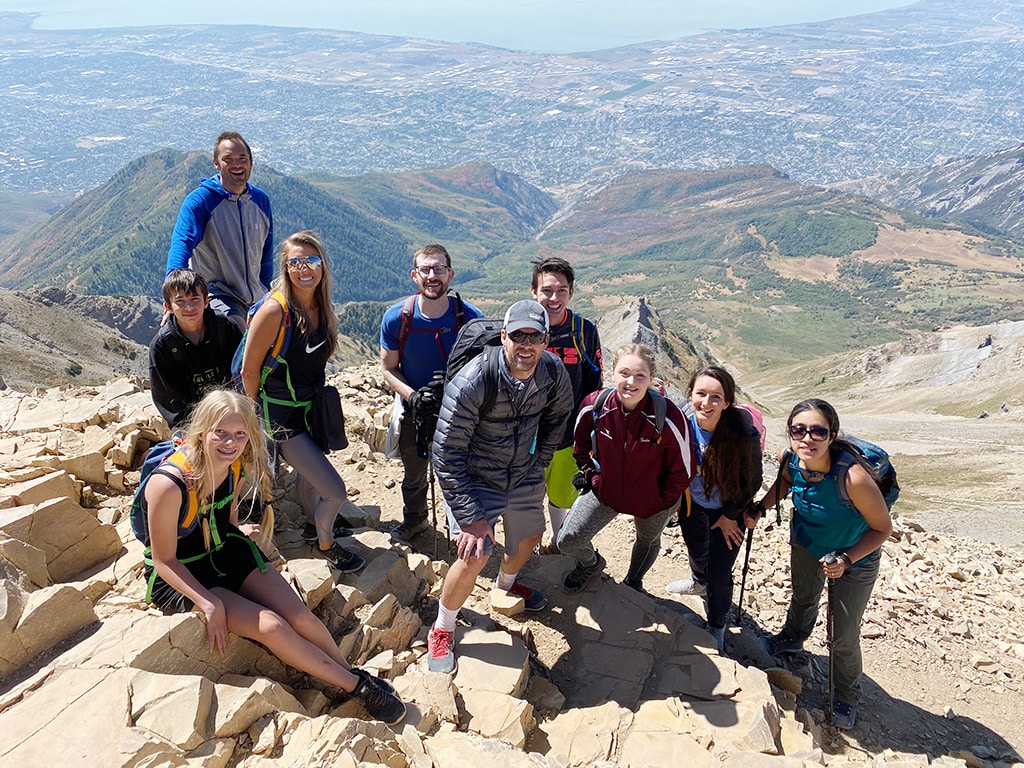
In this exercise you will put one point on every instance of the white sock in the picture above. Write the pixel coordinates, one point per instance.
(557, 515)
(505, 580)
(446, 617)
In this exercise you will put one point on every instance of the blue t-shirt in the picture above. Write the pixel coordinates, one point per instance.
(700, 439)
(428, 343)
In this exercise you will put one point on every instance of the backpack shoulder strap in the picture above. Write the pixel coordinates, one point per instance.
(595, 414)
(660, 412)
(405, 320)
(460, 311)
(576, 331)
(492, 379)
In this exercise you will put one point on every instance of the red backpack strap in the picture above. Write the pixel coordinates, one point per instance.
(405, 320)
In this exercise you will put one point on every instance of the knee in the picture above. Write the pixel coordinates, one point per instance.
(273, 628)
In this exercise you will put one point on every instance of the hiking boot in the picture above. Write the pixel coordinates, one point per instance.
(688, 586)
(440, 651)
(378, 698)
(719, 634)
(534, 599)
(548, 549)
(776, 645)
(340, 530)
(343, 560)
(406, 532)
(577, 579)
(843, 715)
(634, 583)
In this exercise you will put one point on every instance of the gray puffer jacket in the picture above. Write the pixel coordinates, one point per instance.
(511, 444)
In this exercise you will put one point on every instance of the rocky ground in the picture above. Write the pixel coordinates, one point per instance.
(607, 675)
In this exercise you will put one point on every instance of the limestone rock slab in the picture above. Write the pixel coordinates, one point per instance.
(175, 707)
(49, 615)
(491, 661)
(498, 716)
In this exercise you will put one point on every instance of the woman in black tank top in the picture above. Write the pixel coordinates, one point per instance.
(301, 296)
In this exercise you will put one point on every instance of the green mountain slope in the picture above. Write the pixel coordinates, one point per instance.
(114, 239)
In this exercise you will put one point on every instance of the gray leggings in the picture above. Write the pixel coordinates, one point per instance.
(321, 490)
(588, 516)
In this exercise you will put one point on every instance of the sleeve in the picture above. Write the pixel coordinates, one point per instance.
(389, 328)
(456, 425)
(556, 413)
(188, 231)
(168, 382)
(679, 461)
(582, 444)
(267, 262)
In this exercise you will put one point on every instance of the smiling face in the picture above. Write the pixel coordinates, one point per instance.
(708, 399)
(233, 163)
(432, 275)
(306, 278)
(188, 310)
(226, 442)
(523, 356)
(631, 378)
(812, 453)
(553, 293)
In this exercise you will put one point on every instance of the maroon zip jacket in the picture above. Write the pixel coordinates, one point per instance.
(639, 474)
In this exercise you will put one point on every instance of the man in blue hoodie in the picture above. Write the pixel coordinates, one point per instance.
(225, 232)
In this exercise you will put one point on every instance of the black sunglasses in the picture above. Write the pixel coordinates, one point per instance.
(818, 433)
(520, 337)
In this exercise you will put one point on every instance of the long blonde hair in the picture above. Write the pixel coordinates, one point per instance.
(215, 406)
(322, 293)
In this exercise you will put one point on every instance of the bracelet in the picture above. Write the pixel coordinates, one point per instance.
(846, 557)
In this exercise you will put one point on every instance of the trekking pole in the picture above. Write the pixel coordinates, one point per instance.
(743, 579)
(830, 639)
(433, 500)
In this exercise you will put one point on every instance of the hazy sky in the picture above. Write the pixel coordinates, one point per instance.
(553, 26)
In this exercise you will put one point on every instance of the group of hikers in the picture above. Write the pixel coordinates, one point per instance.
(522, 416)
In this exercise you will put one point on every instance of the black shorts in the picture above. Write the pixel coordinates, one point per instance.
(227, 567)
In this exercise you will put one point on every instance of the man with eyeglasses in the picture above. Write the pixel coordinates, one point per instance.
(191, 353)
(416, 335)
(225, 232)
(502, 417)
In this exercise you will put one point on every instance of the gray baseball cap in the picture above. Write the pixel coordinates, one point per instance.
(526, 315)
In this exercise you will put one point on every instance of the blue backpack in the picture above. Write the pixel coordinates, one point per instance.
(870, 455)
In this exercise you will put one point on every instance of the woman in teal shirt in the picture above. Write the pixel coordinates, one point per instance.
(851, 522)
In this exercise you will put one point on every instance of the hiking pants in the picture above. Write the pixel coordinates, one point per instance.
(414, 481)
(321, 489)
(711, 560)
(851, 594)
(586, 519)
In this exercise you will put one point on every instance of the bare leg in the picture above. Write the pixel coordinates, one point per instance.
(461, 579)
(516, 562)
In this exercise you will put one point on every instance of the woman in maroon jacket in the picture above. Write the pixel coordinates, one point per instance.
(629, 465)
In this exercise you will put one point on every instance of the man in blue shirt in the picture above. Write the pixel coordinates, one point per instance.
(225, 232)
(416, 335)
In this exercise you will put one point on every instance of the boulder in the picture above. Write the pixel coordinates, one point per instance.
(498, 716)
(491, 661)
(49, 615)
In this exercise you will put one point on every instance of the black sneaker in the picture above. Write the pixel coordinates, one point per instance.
(340, 530)
(343, 560)
(406, 532)
(634, 583)
(378, 698)
(776, 645)
(577, 579)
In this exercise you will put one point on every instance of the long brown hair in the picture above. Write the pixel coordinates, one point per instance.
(723, 465)
(322, 293)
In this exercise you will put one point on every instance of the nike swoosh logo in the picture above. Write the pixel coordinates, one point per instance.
(310, 350)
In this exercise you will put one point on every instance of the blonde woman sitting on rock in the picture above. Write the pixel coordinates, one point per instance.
(217, 570)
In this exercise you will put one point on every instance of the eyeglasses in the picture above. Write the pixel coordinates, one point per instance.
(440, 270)
(313, 262)
(522, 337)
(818, 433)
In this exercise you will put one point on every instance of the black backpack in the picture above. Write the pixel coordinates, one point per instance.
(482, 335)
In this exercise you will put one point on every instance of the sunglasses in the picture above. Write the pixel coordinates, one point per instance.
(522, 337)
(818, 434)
(313, 262)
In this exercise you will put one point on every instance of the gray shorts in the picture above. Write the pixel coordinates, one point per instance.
(521, 511)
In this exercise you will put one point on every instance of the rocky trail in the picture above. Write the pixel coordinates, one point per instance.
(90, 676)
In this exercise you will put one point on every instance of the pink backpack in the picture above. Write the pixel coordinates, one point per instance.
(757, 418)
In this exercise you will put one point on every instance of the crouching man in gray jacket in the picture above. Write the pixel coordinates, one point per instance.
(490, 462)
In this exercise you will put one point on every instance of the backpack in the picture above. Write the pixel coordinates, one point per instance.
(405, 320)
(756, 419)
(482, 335)
(660, 413)
(170, 451)
(278, 349)
(872, 456)
(576, 330)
